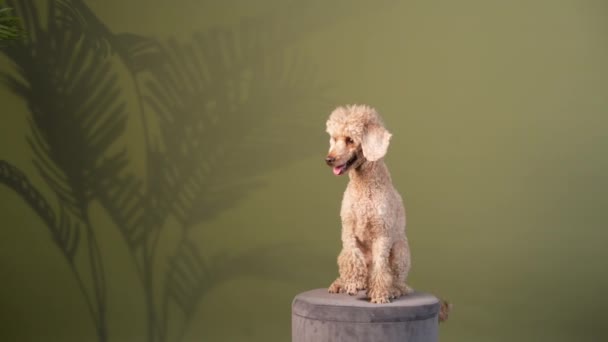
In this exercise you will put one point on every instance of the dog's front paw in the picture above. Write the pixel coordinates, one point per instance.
(380, 297)
(350, 288)
(335, 287)
(380, 300)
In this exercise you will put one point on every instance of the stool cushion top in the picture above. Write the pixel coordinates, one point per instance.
(318, 304)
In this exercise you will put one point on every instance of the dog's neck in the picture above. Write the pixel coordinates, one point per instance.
(370, 172)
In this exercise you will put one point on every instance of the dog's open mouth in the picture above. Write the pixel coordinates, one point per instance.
(339, 170)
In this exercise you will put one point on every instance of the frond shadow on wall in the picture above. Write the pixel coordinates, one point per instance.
(216, 112)
(76, 115)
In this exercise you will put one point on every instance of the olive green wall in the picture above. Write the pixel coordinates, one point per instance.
(499, 117)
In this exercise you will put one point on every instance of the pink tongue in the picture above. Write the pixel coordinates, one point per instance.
(337, 170)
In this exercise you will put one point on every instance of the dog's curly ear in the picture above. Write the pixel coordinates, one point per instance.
(375, 142)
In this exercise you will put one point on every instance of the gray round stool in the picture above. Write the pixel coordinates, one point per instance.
(318, 316)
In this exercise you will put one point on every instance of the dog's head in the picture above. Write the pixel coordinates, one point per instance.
(357, 135)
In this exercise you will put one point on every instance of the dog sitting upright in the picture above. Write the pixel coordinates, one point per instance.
(375, 253)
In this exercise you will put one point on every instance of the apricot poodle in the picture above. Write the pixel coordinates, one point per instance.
(375, 254)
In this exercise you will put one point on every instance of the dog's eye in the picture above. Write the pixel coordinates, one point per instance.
(349, 140)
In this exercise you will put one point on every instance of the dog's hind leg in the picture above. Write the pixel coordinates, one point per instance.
(400, 263)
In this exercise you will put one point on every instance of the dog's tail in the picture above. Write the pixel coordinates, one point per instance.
(445, 309)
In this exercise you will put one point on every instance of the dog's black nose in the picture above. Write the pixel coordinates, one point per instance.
(329, 160)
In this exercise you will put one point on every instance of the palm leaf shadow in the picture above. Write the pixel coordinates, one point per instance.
(76, 117)
(64, 231)
(10, 26)
(77, 113)
(65, 234)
